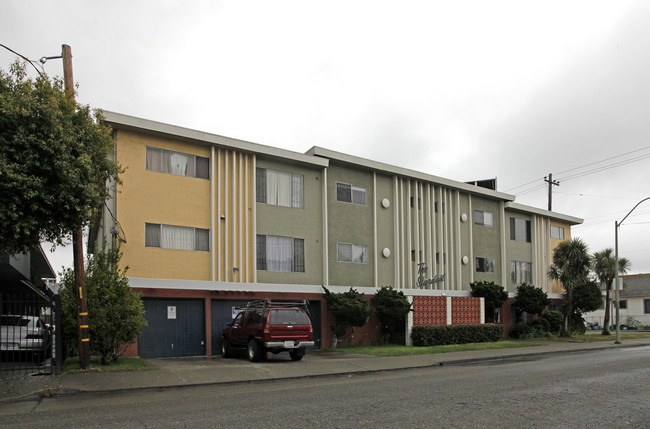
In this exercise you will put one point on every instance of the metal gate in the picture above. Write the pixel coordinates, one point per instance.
(29, 324)
(176, 327)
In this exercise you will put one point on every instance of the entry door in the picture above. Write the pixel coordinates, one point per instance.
(175, 328)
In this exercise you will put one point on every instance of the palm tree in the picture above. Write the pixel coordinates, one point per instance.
(604, 265)
(571, 263)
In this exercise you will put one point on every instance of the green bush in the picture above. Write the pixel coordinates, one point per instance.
(554, 319)
(438, 335)
(541, 325)
(522, 331)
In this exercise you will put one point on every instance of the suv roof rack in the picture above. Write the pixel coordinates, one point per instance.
(265, 304)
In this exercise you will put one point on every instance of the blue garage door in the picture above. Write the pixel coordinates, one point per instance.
(221, 312)
(175, 328)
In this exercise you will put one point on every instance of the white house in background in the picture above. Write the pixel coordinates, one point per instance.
(635, 303)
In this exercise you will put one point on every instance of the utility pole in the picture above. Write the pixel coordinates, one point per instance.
(551, 182)
(77, 241)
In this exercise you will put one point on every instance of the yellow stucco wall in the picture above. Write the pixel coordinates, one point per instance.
(556, 286)
(153, 197)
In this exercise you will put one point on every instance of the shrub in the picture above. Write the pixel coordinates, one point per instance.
(522, 331)
(494, 297)
(554, 319)
(438, 335)
(541, 325)
(530, 299)
(391, 307)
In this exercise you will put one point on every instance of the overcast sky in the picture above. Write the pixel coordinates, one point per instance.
(460, 89)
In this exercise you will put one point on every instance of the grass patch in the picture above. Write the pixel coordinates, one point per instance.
(71, 365)
(593, 338)
(397, 350)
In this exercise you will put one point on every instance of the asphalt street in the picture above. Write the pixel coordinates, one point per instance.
(602, 388)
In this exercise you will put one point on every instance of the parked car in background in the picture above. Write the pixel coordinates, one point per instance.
(269, 326)
(25, 335)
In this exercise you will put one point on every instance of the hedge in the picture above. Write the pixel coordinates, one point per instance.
(439, 335)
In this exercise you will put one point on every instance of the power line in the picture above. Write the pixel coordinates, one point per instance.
(607, 159)
(585, 173)
(605, 167)
(25, 58)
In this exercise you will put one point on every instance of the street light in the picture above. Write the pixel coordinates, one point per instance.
(618, 305)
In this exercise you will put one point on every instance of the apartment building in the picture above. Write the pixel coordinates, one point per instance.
(208, 222)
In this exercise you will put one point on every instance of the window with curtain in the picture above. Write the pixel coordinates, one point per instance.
(276, 253)
(557, 232)
(280, 188)
(350, 194)
(180, 164)
(354, 253)
(521, 272)
(482, 218)
(484, 265)
(520, 230)
(176, 237)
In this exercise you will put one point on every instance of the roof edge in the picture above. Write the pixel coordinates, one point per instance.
(553, 215)
(400, 171)
(132, 123)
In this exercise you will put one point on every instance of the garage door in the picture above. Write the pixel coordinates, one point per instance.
(175, 328)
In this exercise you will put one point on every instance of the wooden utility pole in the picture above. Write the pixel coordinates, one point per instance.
(551, 182)
(77, 242)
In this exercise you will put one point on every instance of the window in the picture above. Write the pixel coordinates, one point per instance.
(176, 237)
(419, 254)
(354, 253)
(285, 254)
(181, 164)
(623, 304)
(520, 229)
(484, 265)
(350, 194)
(557, 232)
(288, 316)
(279, 188)
(435, 207)
(646, 306)
(521, 272)
(483, 218)
(413, 203)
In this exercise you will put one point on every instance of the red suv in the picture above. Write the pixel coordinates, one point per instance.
(269, 326)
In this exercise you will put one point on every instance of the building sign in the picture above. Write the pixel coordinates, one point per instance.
(171, 312)
(422, 271)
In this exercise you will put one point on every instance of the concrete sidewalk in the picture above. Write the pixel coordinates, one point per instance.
(176, 372)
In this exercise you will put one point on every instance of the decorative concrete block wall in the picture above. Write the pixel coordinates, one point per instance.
(429, 310)
(465, 311)
(446, 310)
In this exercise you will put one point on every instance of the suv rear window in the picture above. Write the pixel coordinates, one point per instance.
(288, 316)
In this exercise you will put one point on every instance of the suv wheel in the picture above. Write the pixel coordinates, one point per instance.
(225, 348)
(254, 351)
(297, 354)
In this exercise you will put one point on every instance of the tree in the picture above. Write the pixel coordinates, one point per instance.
(54, 161)
(530, 299)
(587, 297)
(571, 264)
(391, 306)
(116, 313)
(494, 297)
(349, 310)
(604, 266)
